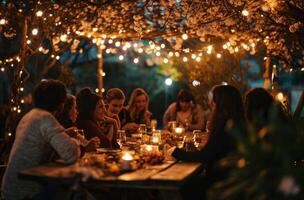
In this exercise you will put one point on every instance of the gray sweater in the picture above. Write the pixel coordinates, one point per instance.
(37, 136)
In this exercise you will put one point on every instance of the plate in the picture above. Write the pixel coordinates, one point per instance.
(107, 150)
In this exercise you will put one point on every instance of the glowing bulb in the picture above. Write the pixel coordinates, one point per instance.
(176, 54)
(136, 60)
(245, 13)
(195, 83)
(128, 45)
(193, 56)
(140, 50)
(63, 37)
(22, 101)
(57, 57)
(162, 46)
(280, 96)
(121, 57)
(99, 55)
(2, 69)
(236, 49)
(117, 44)
(135, 45)
(96, 90)
(94, 40)
(108, 51)
(185, 59)
(225, 46)
(170, 54)
(2, 21)
(166, 60)
(35, 31)
(168, 81)
(218, 55)
(198, 59)
(28, 42)
(110, 41)
(157, 53)
(40, 49)
(184, 36)
(39, 13)
(103, 74)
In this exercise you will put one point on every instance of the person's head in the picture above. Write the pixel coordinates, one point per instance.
(227, 104)
(115, 99)
(184, 100)
(69, 114)
(50, 95)
(90, 105)
(258, 104)
(139, 100)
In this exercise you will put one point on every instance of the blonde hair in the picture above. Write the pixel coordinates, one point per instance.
(131, 104)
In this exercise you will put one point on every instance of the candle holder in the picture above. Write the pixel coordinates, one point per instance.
(126, 159)
(156, 137)
(145, 148)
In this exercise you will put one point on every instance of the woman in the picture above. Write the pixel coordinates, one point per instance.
(68, 119)
(38, 135)
(137, 111)
(227, 107)
(185, 112)
(114, 100)
(93, 121)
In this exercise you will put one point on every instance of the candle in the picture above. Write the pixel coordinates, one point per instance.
(156, 137)
(127, 156)
(148, 148)
(126, 159)
(179, 130)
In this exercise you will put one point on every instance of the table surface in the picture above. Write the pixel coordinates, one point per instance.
(168, 175)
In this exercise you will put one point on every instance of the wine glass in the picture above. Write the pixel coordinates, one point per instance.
(121, 137)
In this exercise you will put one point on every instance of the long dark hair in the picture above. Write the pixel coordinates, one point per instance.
(64, 118)
(186, 96)
(228, 106)
(86, 103)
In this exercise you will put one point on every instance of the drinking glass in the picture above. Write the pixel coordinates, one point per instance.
(121, 137)
(142, 128)
(81, 137)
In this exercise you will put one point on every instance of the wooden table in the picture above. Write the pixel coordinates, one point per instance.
(167, 177)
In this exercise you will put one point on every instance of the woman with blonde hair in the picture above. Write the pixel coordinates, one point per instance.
(137, 111)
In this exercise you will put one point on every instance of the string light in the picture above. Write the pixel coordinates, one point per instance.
(140, 50)
(162, 46)
(39, 13)
(170, 54)
(176, 54)
(121, 57)
(198, 59)
(185, 59)
(136, 60)
(2, 69)
(218, 55)
(110, 41)
(166, 60)
(108, 51)
(193, 56)
(195, 83)
(128, 45)
(209, 49)
(35, 31)
(28, 42)
(99, 55)
(2, 21)
(157, 53)
(117, 44)
(184, 36)
(57, 57)
(245, 13)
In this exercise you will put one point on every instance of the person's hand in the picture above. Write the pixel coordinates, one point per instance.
(92, 144)
(131, 126)
(168, 154)
(72, 131)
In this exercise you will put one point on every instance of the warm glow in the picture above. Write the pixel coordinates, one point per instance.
(245, 13)
(185, 59)
(168, 81)
(166, 60)
(193, 56)
(140, 50)
(184, 36)
(157, 53)
(127, 156)
(57, 57)
(195, 83)
(136, 60)
(117, 44)
(218, 55)
(2, 21)
(280, 96)
(121, 57)
(35, 31)
(198, 59)
(176, 54)
(170, 54)
(39, 13)
(63, 37)
(162, 45)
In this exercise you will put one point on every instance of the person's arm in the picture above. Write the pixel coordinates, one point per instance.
(216, 147)
(92, 130)
(200, 119)
(66, 147)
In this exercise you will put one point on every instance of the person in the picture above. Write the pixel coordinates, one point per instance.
(38, 135)
(92, 119)
(137, 111)
(114, 100)
(227, 109)
(185, 112)
(67, 118)
(260, 106)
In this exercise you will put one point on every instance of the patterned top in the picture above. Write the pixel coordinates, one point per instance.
(37, 136)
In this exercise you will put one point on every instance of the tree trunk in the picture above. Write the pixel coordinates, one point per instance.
(100, 71)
